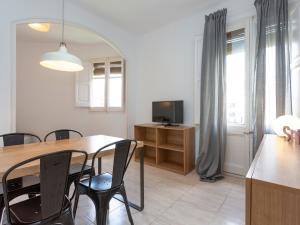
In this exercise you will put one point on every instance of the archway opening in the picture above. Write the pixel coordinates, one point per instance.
(91, 101)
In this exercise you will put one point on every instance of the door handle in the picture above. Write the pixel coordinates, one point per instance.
(249, 132)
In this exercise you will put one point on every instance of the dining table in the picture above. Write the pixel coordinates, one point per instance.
(12, 155)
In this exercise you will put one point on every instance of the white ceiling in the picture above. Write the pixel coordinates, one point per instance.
(72, 35)
(141, 16)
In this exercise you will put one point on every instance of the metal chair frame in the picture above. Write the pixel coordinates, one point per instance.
(62, 130)
(17, 191)
(117, 189)
(19, 133)
(6, 192)
(106, 146)
(56, 137)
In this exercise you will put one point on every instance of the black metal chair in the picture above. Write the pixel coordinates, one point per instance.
(25, 185)
(103, 187)
(52, 205)
(64, 134)
(19, 139)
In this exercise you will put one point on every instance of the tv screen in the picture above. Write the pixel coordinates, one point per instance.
(167, 112)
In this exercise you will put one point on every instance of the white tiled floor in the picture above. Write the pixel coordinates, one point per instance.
(172, 199)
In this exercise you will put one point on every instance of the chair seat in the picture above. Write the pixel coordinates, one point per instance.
(29, 185)
(75, 169)
(29, 211)
(100, 182)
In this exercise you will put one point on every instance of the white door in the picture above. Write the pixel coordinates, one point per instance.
(238, 72)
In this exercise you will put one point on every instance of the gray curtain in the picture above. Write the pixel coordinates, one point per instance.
(212, 100)
(272, 31)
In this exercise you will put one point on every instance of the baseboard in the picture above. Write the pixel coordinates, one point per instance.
(235, 169)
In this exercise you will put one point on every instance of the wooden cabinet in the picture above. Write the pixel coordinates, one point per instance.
(170, 148)
(273, 184)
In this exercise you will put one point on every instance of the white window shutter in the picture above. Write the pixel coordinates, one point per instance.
(82, 85)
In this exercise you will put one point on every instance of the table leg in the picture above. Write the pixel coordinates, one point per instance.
(142, 184)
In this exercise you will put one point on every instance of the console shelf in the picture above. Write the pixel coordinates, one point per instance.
(169, 148)
(172, 147)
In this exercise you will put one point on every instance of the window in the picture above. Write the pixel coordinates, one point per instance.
(236, 77)
(115, 84)
(107, 85)
(98, 86)
(236, 72)
(270, 102)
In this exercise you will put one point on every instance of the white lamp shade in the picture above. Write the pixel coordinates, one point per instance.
(282, 121)
(61, 60)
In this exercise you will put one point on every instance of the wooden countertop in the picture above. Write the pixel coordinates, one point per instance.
(12, 155)
(277, 161)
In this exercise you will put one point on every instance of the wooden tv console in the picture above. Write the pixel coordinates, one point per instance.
(167, 147)
(273, 184)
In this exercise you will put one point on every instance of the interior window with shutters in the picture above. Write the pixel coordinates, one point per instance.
(98, 86)
(236, 77)
(115, 84)
(107, 85)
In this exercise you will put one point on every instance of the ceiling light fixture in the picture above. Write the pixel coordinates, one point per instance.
(41, 27)
(62, 60)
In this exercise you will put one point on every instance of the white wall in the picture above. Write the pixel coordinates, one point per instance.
(46, 98)
(166, 69)
(14, 11)
(166, 60)
(162, 70)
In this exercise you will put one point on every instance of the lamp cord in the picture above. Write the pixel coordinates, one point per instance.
(63, 22)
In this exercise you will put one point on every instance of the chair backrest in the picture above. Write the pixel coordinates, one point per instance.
(122, 158)
(53, 184)
(62, 134)
(19, 139)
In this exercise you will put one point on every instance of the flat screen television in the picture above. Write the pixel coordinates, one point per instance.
(167, 112)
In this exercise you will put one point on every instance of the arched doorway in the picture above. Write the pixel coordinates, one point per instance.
(47, 100)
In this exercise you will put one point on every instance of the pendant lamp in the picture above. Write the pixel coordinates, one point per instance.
(62, 60)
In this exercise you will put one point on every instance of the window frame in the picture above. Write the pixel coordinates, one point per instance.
(122, 108)
(244, 128)
(106, 108)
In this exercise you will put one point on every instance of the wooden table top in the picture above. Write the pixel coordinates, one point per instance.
(278, 162)
(12, 155)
